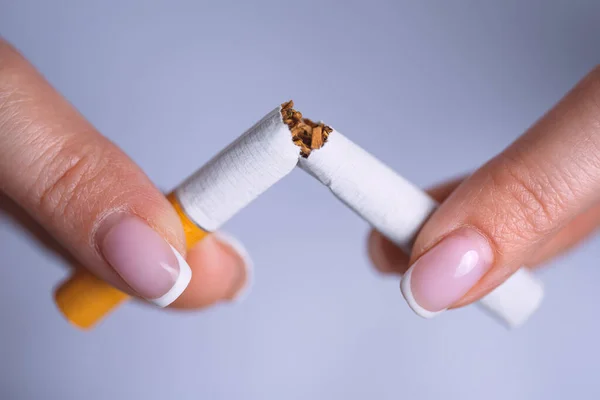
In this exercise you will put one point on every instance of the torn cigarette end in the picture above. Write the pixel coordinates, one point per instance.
(306, 134)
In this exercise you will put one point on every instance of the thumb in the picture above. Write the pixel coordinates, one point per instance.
(88, 194)
(508, 209)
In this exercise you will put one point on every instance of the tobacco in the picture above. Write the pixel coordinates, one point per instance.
(306, 134)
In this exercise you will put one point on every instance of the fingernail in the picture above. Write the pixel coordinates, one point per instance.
(447, 272)
(242, 281)
(145, 261)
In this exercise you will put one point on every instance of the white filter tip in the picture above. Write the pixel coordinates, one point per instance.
(516, 299)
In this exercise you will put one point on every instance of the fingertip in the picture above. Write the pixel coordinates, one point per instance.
(221, 270)
(386, 257)
(407, 293)
(231, 244)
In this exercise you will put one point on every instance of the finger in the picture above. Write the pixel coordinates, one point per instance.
(222, 272)
(506, 211)
(388, 258)
(572, 235)
(222, 267)
(20, 218)
(84, 191)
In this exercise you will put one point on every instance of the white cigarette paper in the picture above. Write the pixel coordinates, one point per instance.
(240, 173)
(398, 209)
(265, 154)
(393, 205)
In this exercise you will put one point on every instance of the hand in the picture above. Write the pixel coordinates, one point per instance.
(535, 200)
(95, 202)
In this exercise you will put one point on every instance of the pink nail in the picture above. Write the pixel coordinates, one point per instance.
(446, 272)
(145, 261)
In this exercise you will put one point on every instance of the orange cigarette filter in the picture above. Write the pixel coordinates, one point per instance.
(85, 300)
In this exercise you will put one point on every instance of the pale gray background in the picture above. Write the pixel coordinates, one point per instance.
(434, 88)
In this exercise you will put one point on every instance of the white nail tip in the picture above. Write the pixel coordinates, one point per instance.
(240, 249)
(181, 283)
(405, 288)
(513, 302)
(517, 299)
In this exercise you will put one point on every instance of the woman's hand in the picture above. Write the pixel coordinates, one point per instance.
(95, 202)
(536, 199)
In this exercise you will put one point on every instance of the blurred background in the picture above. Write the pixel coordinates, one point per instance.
(434, 88)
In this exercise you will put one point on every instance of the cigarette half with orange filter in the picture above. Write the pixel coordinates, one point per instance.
(262, 156)
(207, 199)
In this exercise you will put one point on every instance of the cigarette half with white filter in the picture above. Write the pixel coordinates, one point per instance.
(390, 203)
(398, 209)
(264, 155)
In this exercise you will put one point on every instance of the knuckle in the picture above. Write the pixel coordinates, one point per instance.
(71, 177)
(529, 200)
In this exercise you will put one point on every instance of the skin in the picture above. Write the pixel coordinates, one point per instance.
(59, 177)
(394, 261)
(535, 200)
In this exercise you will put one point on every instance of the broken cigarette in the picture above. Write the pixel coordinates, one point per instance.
(265, 154)
(398, 209)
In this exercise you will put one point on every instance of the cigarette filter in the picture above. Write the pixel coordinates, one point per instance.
(262, 156)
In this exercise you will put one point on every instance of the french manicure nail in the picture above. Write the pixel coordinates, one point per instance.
(446, 272)
(145, 261)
